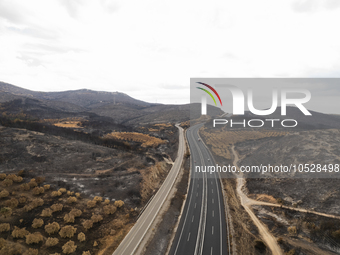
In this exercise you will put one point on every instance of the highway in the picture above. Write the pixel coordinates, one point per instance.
(202, 228)
(135, 236)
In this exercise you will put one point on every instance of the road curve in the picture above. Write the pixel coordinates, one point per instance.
(202, 228)
(132, 240)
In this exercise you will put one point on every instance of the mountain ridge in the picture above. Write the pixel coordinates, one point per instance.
(82, 97)
(120, 107)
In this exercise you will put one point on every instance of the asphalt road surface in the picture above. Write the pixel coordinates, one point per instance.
(132, 240)
(202, 228)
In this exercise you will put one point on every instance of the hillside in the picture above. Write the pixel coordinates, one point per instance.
(123, 153)
(85, 98)
(119, 107)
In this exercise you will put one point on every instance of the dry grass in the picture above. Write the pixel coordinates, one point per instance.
(159, 127)
(185, 124)
(152, 177)
(153, 130)
(68, 124)
(165, 125)
(65, 123)
(265, 198)
(146, 140)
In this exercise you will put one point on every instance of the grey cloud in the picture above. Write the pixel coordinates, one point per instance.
(50, 48)
(332, 4)
(228, 55)
(34, 32)
(333, 72)
(19, 15)
(29, 60)
(315, 5)
(33, 53)
(139, 87)
(172, 86)
(110, 5)
(304, 5)
(10, 12)
(72, 7)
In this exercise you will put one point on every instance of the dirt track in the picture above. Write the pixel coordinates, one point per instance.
(268, 238)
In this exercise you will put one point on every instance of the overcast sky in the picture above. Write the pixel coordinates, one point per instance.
(150, 49)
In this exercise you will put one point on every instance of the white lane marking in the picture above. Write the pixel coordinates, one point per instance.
(220, 213)
(211, 251)
(212, 230)
(188, 237)
(195, 205)
(219, 205)
(211, 182)
(197, 194)
(212, 190)
(192, 220)
(213, 200)
(213, 214)
(186, 214)
(204, 215)
(203, 209)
